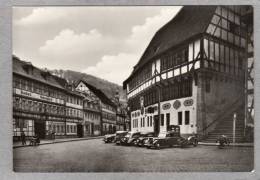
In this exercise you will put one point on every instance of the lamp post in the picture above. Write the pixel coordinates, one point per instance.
(159, 106)
(234, 127)
(158, 87)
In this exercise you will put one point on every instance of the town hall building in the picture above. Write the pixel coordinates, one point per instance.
(192, 74)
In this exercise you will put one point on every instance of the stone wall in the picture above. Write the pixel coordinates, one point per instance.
(225, 92)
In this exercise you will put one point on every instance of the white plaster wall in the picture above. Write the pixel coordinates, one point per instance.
(185, 129)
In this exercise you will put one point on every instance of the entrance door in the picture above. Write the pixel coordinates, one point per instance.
(156, 124)
(79, 130)
(39, 129)
(92, 128)
(168, 121)
(114, 129)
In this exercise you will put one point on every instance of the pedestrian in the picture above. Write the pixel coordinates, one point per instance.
(23, 138)
(37, 139)
(53, 135)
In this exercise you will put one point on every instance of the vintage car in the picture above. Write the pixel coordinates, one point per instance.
(109, 138)
(143, 137)
(171, 138)
(130, 138)
(119, 136)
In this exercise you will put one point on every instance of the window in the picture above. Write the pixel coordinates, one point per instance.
(162, 119)
(151, 121)
(187, 117)
(16, 102)
(167, 119)
(68, 128)
(40, 107)
(217, 52)
(148, 121)
(211, 50)
(180, 118)
(227, 58)
(30, 105)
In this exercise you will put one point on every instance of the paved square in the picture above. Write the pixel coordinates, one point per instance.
(96, 156)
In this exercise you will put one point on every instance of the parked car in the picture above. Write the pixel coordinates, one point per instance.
(130, 138)
(171, 138)
(143, 137)
(119, 136)
(109, 138)
(222, 141)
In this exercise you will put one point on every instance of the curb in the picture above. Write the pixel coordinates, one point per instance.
(231, 145)
(70, 140)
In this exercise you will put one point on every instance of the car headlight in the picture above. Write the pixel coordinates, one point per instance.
(190, 138)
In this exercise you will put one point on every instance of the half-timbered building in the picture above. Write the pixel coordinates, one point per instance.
(105, 111)
(43, 104)
(192, 74)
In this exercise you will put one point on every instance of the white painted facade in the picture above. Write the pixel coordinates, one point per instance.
(168, 74)
(185, 129)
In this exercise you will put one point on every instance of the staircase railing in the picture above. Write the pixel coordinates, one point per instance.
(224, 113)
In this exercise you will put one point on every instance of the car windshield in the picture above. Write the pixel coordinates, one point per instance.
(162, 135)
(120, 133)
(136, 135)
(128, 135)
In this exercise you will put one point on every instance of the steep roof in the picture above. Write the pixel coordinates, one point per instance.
(189, 22)
(100, 94)
(19, 67)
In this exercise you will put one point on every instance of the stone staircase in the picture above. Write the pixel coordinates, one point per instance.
(225, 126)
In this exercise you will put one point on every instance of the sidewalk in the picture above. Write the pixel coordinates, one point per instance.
(47, 141)
(231, 144)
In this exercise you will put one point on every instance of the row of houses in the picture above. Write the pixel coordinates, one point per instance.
(47, 105)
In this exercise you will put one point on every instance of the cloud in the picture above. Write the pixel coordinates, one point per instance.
(117, 68)
(142, 34)
(82, 48)
(42, 16)
(67, 41)
(113, 68)
(105, 55)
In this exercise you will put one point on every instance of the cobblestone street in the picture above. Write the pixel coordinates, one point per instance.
(96, 156)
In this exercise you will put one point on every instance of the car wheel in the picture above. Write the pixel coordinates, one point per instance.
(195, 143)
(158, 146)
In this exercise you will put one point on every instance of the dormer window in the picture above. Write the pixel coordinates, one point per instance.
(46, 74)
(28, 67)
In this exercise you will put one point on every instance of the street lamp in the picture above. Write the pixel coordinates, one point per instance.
(158, 87)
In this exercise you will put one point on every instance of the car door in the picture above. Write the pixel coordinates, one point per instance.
(168, 139)
(171, 139)
(175, 138)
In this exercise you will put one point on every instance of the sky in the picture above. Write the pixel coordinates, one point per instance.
(102, 41)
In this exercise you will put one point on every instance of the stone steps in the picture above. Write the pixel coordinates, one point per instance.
(225, 127)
